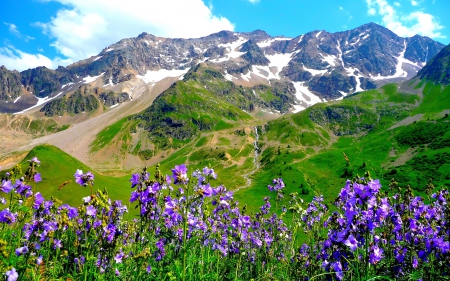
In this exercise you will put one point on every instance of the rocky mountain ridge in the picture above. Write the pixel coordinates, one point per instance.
(319, 65)
(438, 70)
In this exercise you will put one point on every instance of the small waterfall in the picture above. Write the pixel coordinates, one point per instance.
(255, 163)
(255, 145)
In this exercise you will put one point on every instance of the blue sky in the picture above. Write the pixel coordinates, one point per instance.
(58, 32)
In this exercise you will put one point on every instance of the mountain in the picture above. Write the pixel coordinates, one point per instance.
(319, 65)
(197, 116)
(438, 69)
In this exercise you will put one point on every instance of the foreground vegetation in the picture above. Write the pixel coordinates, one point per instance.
(188, 229)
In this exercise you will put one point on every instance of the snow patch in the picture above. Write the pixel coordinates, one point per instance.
(266, 43)
(228, 76)
(40, 101)
(158, 75)
(65, 85)
(109, 49)
(89, 79)
(304, 95)
(17, 99)
(315, 72)
(231, 48)
(110, 83)
(279, 61)
(344, 94)
(269, 42)
(354, 43)
(247, 76)
(97, 58)
(329, 59)
(399, 72)
(317, 35)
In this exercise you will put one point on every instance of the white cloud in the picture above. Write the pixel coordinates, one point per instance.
(414, 3)
(397, 4)
(346, 12)
(12, 28)
(85, 27)
(408, 25)
(13, 58)
(253, 1)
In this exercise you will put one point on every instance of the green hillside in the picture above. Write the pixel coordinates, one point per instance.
(308, 149)
(58, 168)
(387, 132)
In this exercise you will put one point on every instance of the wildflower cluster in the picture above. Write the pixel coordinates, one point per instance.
(398, 237)
(187, 228)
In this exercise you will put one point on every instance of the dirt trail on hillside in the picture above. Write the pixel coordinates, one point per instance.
(76, 140)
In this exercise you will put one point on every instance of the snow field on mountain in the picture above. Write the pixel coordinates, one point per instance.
(303, 94)
(158, 75)
(40, 101)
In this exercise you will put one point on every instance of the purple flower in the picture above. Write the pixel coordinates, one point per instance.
(72, 212)
(117, 272)
(376, 254)
(208, 191)
(35, 160)
(134, 180)
(337, 266)
(12, 275)
(149, 268)
(351, 242)
(278, 185)
(110, 232)
(118, 258)
(57, 244)
(6, 186)
(209, 172)
(38, 199)
(84, 179)
(171, 206)
(91, 211)
(37, 177)
(39, 260)
(179, 174)
(415, 262)
(21, 251)
(7, 217)
(22, 189)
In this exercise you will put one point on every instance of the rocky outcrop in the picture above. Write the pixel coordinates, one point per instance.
(84, 99)
(10, 84)
(438, 69)
(344, 120)
(42, 81)
(253, 53)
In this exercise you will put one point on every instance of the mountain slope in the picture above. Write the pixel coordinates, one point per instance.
(438, 69)
(321, 65)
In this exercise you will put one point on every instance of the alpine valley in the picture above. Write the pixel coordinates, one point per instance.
(311, 109)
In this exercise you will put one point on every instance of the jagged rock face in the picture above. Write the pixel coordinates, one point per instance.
(10, 85)
(344, 120)
(84, 99)
(42, 81)
(321, 65)
(438, 70)
(253, 53)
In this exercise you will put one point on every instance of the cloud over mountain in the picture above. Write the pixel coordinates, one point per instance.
(83, 27)
(406, 25)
